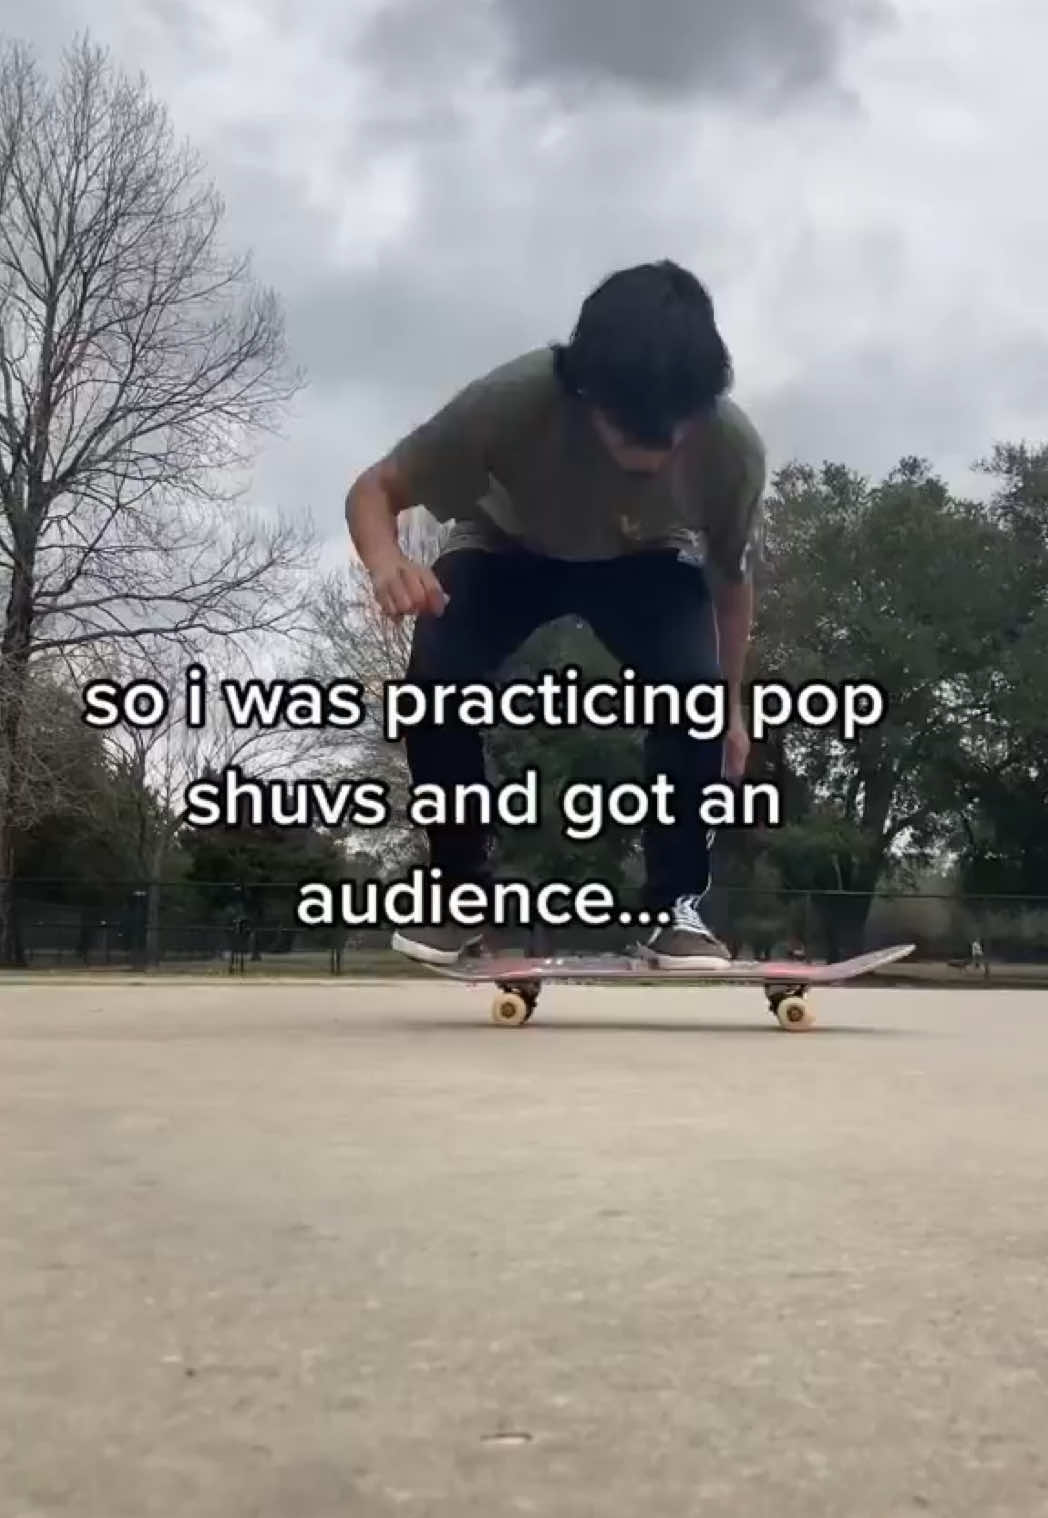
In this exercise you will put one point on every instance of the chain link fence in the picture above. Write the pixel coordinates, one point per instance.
(217, 926)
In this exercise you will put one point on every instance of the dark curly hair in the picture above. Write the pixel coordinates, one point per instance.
(647, 352)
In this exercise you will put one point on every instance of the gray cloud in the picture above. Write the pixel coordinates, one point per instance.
(500, 251)
(771, 50)
(869, 406)
(678, 47)
(394, 327)
(433, 185)
(412, 38)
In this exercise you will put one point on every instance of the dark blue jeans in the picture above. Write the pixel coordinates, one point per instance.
(654, 614)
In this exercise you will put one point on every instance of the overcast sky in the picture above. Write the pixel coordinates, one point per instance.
(434, 185)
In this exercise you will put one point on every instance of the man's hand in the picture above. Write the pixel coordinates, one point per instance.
(402, 587)
(736, 747)
(406, 589)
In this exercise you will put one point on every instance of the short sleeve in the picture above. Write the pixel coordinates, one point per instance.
(735, 542)
(445, 461)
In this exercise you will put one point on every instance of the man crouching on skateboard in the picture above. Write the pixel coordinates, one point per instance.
(610, 479)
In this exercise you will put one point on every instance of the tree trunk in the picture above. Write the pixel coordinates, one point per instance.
(153, 922)
(154, 854)
(14, 683)
(9, 941)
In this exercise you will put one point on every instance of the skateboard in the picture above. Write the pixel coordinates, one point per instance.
(519, 980)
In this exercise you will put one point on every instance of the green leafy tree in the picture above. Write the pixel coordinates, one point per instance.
(1001, 775)
(897, 584)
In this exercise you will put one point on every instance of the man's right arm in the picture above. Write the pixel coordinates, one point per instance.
(442, 465)
(374, 502)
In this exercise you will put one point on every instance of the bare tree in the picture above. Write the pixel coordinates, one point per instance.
(157, 764)
(51, 776)
(139, 366)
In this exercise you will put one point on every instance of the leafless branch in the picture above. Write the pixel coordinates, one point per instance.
(140, 364)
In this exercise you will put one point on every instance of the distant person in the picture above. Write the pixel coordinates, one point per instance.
(610, 478)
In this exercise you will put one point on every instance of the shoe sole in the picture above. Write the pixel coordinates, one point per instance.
(426, 953)
(690, 961)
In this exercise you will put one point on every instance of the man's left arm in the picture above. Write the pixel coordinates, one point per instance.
(734, 600)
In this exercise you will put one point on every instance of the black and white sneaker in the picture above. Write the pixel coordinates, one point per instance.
(442, 945)
(686, 941)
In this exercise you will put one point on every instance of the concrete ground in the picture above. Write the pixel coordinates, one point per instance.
(308, 1250)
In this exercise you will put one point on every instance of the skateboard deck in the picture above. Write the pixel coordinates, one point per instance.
(519, 978)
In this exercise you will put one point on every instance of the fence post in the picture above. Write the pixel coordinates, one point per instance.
(139, 955)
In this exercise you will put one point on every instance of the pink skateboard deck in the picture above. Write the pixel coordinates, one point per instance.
(508, 970)
(519, 979)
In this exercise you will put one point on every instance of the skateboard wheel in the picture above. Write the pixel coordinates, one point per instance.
(793, 1015)
(509, 1010)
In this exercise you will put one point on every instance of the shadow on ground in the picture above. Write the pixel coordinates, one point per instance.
(559, 1024)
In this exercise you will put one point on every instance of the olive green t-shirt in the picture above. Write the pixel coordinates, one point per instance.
(513, 456)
